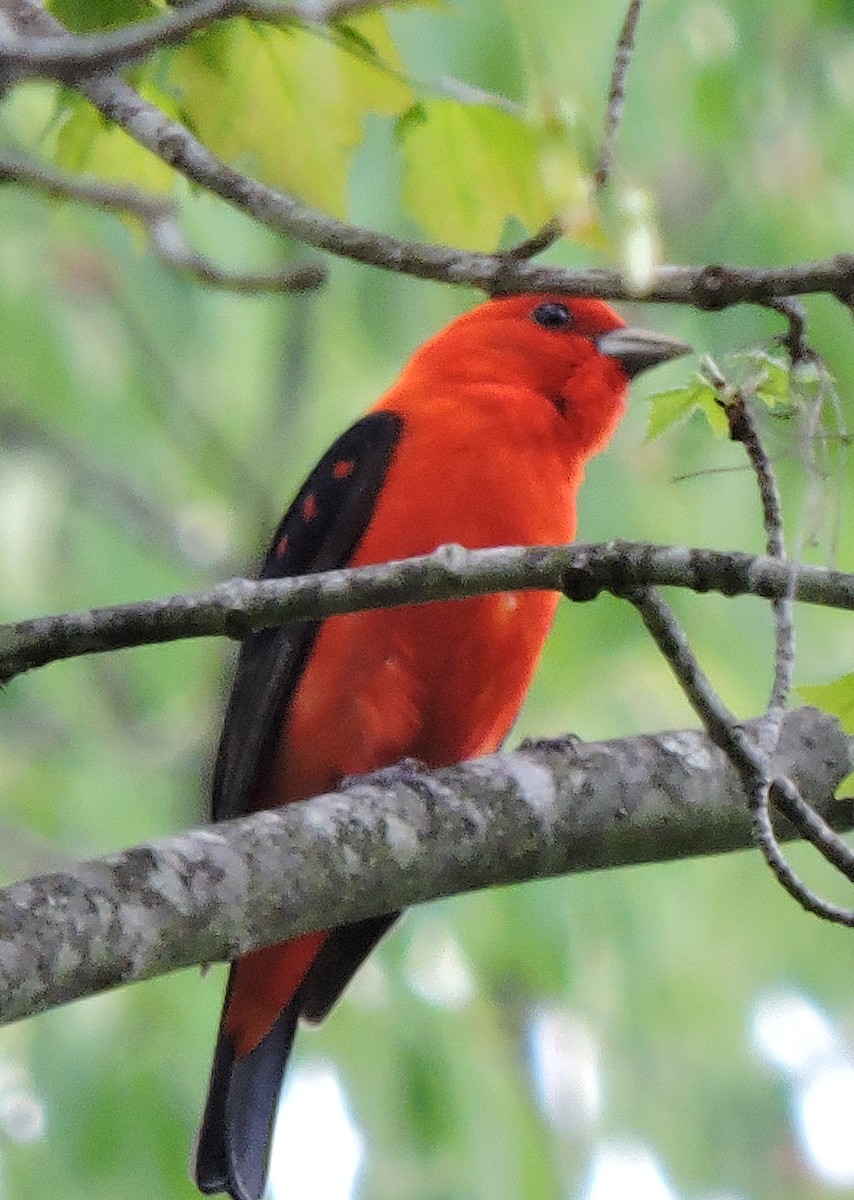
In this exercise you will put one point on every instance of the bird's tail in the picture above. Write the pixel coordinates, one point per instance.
(256, 1033)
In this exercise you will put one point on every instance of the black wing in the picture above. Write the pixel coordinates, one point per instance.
(319, 532)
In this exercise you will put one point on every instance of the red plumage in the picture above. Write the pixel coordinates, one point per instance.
(482, 442)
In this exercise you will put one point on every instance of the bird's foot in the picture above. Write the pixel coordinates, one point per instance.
(400, 772)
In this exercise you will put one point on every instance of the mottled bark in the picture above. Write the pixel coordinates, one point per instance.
(396, 839)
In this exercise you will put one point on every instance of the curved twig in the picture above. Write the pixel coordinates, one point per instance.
(616, 96)
(708, 287)
(69, 58)
(157, 215)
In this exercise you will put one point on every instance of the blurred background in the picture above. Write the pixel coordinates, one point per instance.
(677, 1031)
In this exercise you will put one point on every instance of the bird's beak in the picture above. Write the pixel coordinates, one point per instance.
(638, 349)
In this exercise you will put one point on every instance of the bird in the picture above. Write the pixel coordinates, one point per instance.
(482, 441)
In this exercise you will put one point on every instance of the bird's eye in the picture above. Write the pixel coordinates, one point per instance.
(552, 315)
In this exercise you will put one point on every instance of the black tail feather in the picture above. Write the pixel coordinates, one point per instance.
(233, 1144)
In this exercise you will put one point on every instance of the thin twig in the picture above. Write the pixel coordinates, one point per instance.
(672, 641)
(765, 837)
(70, 58)
(157, 214)
(795, 339)
(616, 97)
(751, 762)
(742, 429)
(708, 287)
(543, 239)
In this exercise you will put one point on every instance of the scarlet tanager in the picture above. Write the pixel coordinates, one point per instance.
(482, 441)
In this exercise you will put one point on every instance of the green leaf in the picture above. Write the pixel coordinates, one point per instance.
(836, 698)
(83, 16)
(287, 104)
(845, 788)
(470, 167)
(773, 386)
(85, 142)
(669, 408)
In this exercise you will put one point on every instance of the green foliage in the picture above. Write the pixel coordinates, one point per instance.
(85, 143)
(697, 396)
(85, 16)
(289, 105)
(836, 697)
(468, 167)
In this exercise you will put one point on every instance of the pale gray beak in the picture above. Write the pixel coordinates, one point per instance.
(638, 349)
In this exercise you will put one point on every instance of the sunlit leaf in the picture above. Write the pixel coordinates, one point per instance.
(289, 105)
(85, 15)
(85, 142)
(774, 384)
(470, 167)
(669, 408)
(836, 698)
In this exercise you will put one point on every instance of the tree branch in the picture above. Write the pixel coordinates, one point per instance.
(707, 287)
(616, 96)
(68, 58)
(581, 572)
(384, 842)
(761, 779)
(158, 216)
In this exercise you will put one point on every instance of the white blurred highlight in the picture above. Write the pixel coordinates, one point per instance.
(640, 251)
(823, 1105)
(318, 1150)
(791, 1032)
(436, 969)
(22, 1114)
(566, 1070)
(795, 1036)
(625, 1171)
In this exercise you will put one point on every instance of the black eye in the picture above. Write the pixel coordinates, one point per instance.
(552, 316)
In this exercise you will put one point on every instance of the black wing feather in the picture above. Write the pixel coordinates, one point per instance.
(319, 532)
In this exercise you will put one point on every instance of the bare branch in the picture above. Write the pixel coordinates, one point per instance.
(669, 636)
(707, 287)
(795, 339)
(766, 838)
(616, 96)
(385, 842)
(760, 784)
(68, 58)
(581, 572)
(742, 428)
(543, 239)
(158, 216)
(754, 765)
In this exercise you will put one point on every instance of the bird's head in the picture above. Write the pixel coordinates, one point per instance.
(578, 355)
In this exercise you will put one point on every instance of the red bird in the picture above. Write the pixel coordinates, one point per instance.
(483, 442)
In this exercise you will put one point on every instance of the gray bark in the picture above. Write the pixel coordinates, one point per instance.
(398, 838)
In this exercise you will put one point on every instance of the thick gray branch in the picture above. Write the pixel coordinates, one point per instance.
(580, 571)
(379, 845)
